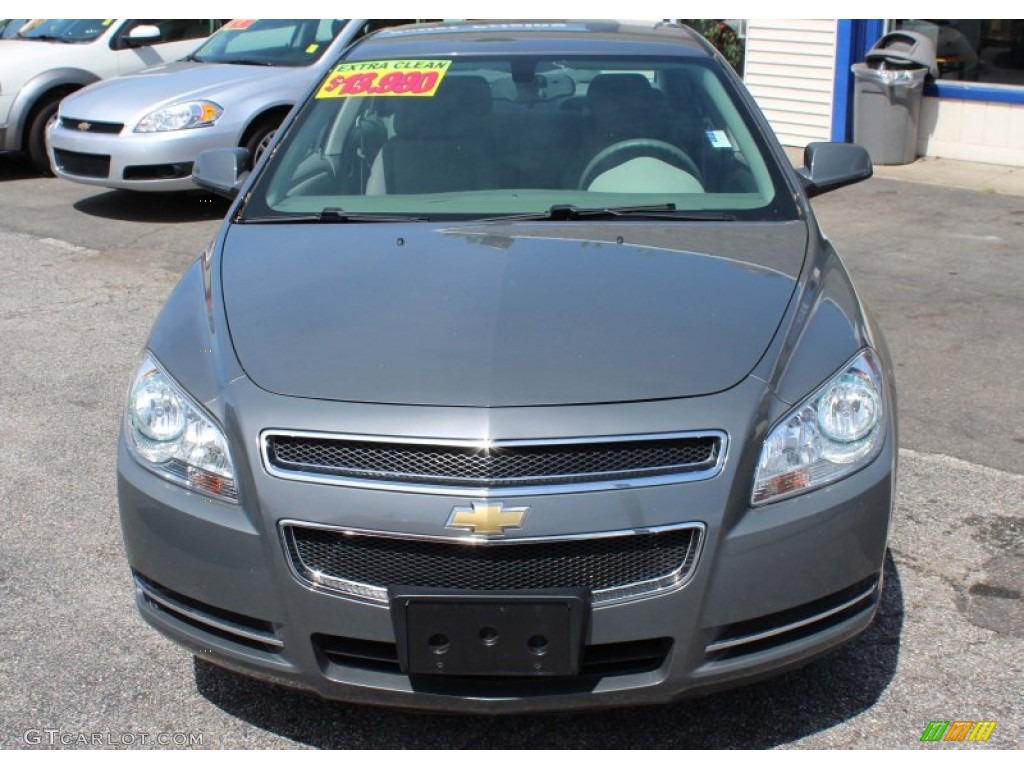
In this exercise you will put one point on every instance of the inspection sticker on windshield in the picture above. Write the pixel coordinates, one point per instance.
(384, 78)
(718, 139)
(240, 23)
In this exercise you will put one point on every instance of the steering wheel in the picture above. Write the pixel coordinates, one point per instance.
(622, 151)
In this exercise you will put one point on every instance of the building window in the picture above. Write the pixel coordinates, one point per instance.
(989, 51)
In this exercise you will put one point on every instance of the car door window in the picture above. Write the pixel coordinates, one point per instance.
(175, 30)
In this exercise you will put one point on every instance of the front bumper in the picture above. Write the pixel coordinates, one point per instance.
(156, 162)
(772, 588)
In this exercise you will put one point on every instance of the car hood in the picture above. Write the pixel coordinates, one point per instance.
(122, 99)
(506, 314)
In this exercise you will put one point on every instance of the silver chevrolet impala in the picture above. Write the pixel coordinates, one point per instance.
(519, 376)
(144, 131)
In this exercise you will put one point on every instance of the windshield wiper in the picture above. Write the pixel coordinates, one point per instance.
(249, 62)
(571, 213)
(332, 216)
(46, 38)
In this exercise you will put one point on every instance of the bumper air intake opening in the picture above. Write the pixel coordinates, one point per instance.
(227, 625)
(157, 172)
(783, 627)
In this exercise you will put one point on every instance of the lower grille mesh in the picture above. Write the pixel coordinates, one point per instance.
(366, 565)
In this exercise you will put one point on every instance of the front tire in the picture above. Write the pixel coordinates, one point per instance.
(259, 137)
(36, 139)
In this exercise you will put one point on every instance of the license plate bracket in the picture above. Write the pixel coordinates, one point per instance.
(538, 633)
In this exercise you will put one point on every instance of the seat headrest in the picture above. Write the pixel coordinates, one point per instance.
(622, 87)
(625, 105)
(455, 110)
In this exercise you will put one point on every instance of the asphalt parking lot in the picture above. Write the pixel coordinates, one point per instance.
(83, 273)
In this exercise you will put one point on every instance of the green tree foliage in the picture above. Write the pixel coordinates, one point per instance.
(723, 37)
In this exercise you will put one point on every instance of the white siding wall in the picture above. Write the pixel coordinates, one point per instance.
(789, 69)
(972, 130)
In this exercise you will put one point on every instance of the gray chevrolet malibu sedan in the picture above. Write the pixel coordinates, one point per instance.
(518, 377)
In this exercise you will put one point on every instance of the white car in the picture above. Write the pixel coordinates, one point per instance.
(143, 132)
(50, 58)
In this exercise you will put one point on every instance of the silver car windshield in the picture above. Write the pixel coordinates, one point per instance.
(501, 136)
(270, 42)
(65, 30)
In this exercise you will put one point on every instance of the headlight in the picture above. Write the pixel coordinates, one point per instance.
(191, 114)
(830, 435)
(172, 436)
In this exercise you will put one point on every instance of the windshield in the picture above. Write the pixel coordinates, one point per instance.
(68, 30)
(517, 135)
(270, 42)
(10, 27)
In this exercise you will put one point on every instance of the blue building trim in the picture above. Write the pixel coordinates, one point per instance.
(842, 85)
(946, 89)
(854, 38)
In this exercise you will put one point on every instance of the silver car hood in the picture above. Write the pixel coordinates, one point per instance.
(506, 314)
(123, 99)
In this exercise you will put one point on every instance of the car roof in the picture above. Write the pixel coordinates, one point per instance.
(556, 38)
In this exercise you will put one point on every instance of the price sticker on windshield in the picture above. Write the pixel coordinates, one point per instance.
(384, 78)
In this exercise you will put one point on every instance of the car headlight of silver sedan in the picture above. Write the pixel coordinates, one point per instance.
(177, 117)
(172, 436)
(833, 433)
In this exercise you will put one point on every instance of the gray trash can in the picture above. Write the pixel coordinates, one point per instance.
(888, 89)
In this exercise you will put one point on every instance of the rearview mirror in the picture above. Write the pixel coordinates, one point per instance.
(223, 171)
(830, 165)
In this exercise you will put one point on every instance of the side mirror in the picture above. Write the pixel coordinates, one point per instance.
(223, 171)
(144, 34)
(830, 165)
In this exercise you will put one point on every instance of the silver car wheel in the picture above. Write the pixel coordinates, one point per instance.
(264, 143)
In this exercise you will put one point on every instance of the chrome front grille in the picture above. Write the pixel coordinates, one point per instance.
(615, 565)
(90, 126)
(454, 466)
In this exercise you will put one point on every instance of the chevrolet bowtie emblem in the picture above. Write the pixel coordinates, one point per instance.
(84, 126)
(487, 518)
